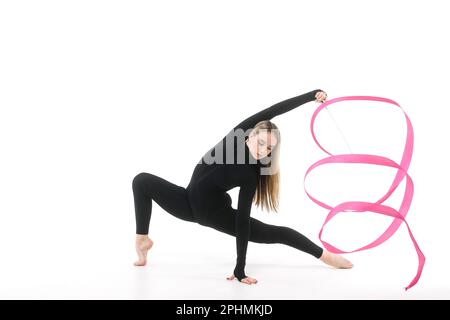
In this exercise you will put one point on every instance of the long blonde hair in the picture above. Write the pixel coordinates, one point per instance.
(268, 187)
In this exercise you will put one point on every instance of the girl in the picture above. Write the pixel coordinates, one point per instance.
(248, 157)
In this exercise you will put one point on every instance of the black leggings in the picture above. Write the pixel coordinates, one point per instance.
(174, 199)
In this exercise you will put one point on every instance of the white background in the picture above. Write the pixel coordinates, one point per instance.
(94, 92)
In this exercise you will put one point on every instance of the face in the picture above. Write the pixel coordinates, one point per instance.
(261, 144)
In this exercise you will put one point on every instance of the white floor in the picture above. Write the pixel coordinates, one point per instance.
(195, 268)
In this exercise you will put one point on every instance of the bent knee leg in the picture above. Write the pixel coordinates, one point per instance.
(140, 179)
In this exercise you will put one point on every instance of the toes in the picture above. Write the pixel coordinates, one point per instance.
(347, 264)
(140, 263)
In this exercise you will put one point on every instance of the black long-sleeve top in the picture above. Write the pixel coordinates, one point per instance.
(221, 169)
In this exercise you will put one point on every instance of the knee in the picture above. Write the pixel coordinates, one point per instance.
(138, 180)
(281, 233)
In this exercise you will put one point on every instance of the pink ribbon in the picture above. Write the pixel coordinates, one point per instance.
(377, 207)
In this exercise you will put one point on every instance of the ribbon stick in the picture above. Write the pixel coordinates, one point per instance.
(376, 207)
(339, 129)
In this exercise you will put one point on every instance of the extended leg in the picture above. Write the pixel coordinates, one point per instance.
(266, 233)
(261, 232)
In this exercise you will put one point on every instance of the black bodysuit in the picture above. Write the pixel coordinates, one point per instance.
(205, 200)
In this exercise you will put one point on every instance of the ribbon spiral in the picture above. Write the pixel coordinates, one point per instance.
(377, 207)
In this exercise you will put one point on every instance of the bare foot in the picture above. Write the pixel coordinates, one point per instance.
(335, 260)
(143, 244)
